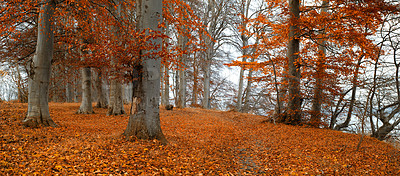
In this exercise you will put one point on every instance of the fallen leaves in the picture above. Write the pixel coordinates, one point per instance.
(202, 142)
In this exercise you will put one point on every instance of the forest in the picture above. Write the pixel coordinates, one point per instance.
(200, 87)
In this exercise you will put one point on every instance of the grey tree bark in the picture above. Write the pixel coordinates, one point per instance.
(244, 9)
(165, 92)
(145, 124)
(38, 108)
(116, 106)
(182, 74)
(165, 74)
(246, 99)
(207, 74)
(86, 104)
(68, 88)
(293, 116)
(318, 89)
(102, 101)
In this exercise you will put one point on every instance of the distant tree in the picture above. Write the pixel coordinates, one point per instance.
(116, 106)
(102, 101)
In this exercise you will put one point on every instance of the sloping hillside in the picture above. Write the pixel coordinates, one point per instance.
(202, 142)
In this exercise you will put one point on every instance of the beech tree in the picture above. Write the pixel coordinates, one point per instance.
(116, 106)
(102, 101)
(145, 124)
(38, 109)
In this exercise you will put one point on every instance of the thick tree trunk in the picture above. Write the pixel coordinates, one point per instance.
(38, 108)
(145, 124)
(293, 115)
(86, 104)
(116, 106)
(101, 94)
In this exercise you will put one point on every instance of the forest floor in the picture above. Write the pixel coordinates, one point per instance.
(201, 142)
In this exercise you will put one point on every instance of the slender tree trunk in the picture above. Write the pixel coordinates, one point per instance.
(182, 73)
(68, 88)
(206, 92)
(246, 99)
(209, 55)
(294, 104)
(245, 40)
(38, 107)
(318, 90)
(165, 80)
(353, 98)
(195, 83)
(86, 104)
(176, 92)
(116, 106)
(145, 124)
(239, 100)
(21, 89)
(165, 93)
(101, 94)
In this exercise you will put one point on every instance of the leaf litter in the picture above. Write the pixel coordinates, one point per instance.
(201, 142)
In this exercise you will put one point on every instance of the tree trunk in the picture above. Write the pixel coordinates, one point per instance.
(101, 94)
(38, 107)
(22, 98)
(165, 93)
(293, 115)
(165, 73)
(206, 92)
(239, 100)
(353, 98)
(318, 90)
(145, 124)
(246, 99)
(182, 73)
(195, 83)
(68, 88)
(116, 106)
(86, 104)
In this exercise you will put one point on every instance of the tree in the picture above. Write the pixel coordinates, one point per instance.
(86, 104)
(38, 108)
(293, 115)
(101, 94)
(319, 74)
(145, 124)
(216, 21)
(116, 106)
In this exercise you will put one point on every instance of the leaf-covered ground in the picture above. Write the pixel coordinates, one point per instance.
(202, 142)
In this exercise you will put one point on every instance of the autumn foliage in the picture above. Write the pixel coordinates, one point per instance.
(202, 142)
